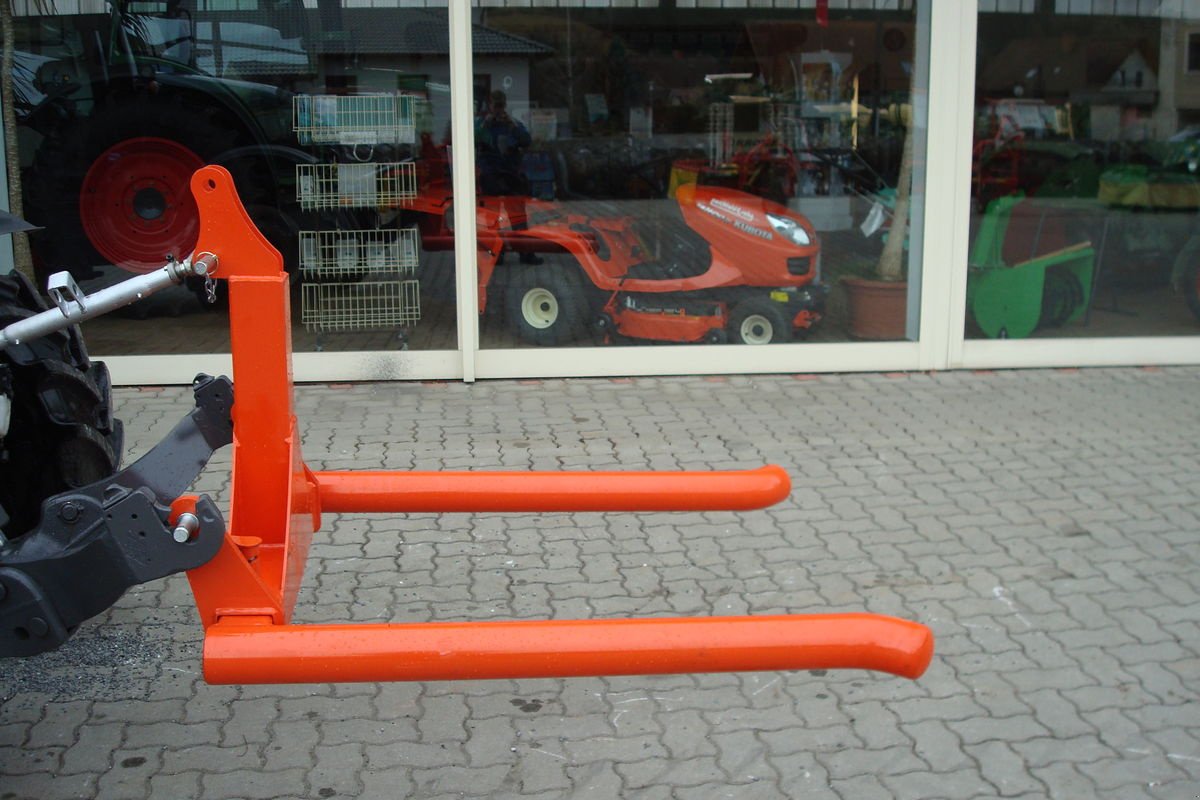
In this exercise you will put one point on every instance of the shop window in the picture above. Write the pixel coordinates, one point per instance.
(703, 174)
(329, 116)
(1086, 173)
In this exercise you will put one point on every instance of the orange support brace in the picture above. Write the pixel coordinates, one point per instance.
(245, 595)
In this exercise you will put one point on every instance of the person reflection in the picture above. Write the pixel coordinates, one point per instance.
(499, 143)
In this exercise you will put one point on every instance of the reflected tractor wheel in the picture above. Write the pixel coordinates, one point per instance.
(136, 203)
(114, 187)
(539, 308)
(546, 304)
(758, 321)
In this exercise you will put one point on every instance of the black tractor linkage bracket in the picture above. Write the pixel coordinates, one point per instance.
(96, 542)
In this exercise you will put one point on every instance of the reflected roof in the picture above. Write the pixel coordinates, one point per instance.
(416, 31)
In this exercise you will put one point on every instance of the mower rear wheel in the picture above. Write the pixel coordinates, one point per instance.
(758, 321)
(546, 304)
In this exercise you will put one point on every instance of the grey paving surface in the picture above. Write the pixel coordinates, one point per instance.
(1046, 524)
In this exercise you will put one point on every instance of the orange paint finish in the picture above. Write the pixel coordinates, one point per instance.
(227, 230)
(271, 494)
(805, 319)
(236, 652)
(408, 492)
(227, 583)
(666, 327)
(230, 585)
(246, 593)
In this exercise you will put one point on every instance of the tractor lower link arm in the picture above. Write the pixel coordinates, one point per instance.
(94, 543)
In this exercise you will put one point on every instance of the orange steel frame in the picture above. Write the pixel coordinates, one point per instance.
(245, 595)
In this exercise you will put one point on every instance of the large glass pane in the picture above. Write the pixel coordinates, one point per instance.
(319, 108)
(1085, 179)
(694, 172)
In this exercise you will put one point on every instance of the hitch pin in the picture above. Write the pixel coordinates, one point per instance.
(186, 528)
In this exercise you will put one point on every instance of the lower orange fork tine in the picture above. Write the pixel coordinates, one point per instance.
(246, 651)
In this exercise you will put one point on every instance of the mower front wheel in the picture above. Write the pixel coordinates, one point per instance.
(758, 320)
(546, 304)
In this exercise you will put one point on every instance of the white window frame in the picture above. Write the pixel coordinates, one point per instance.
(951, 28)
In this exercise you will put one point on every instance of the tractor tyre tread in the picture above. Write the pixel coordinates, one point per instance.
(62, 434)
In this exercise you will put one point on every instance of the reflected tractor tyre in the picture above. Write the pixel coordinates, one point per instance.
(758, 321)
(546, 304)
(114, 188)
(61, 433)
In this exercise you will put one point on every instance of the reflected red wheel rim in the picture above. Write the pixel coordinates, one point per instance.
(135, 203)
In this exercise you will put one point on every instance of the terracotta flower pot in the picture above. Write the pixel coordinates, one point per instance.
(876, 309)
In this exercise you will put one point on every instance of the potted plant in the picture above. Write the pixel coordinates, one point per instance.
(877, 304)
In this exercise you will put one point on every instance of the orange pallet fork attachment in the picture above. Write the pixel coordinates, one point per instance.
(246, 594)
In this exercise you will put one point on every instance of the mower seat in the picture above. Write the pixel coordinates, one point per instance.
(1011, 300)
(678, 251)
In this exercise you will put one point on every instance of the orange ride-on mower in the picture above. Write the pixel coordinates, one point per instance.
(718, 265)
(95, 541)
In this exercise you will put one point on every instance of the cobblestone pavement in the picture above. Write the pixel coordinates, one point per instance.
(1046, 524)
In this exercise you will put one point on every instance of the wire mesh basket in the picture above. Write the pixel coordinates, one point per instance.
(720, 133)
(366, 119)
(333, 186)
(348, 253)
(355, 306)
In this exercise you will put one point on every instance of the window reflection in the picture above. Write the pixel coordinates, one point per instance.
(647, 172)
(712, 175)
(318, 111)
(1084, 180)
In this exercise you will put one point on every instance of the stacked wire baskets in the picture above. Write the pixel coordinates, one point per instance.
(359, 279)
(786, 121)
(720, 133)
(328, 187)
(365, 119)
